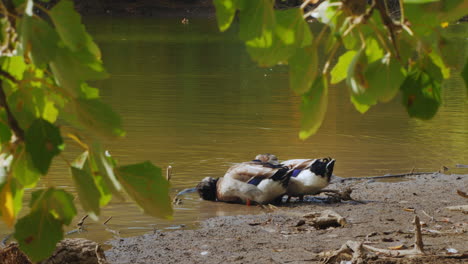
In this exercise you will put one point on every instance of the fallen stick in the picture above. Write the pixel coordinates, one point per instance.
(356, 249)
(81, 222)
(462, 208)
(462, 194)
(388, 176)
(80, 226)
(168, 173)
(418, 248)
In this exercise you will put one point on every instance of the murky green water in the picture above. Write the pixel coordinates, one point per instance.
(190, 97)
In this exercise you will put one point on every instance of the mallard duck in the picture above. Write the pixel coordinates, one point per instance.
(308, 176)
(258, 181)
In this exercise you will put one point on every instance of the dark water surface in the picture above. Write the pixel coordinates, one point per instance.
(190, 97)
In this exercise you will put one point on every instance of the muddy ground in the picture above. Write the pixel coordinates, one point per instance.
(279, 235)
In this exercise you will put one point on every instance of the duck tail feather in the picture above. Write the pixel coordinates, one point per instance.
(282, 175)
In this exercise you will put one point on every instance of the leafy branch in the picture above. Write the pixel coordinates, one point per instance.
(46, 61)
(379, 59)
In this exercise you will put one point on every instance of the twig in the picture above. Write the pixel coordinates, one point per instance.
(8, 76)
(461, 166)
(108, 219)
(81, 222)
(431, 217)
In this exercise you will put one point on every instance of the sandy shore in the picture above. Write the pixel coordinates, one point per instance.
(279, 235)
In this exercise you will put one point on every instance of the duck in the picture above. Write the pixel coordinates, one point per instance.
(308, 176)
(262, 180)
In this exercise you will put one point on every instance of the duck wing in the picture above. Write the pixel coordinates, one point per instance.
(298, 164)
(254, 172)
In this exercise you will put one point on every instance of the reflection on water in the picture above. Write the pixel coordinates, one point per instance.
(191, 98)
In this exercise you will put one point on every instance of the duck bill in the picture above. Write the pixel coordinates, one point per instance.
(330, 166)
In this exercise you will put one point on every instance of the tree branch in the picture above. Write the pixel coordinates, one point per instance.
(388, 22)
(12, 122)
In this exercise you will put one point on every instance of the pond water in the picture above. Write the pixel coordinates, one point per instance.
(190, 97)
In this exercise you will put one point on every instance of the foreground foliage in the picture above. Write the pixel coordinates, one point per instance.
(47, 57)
(379, 54)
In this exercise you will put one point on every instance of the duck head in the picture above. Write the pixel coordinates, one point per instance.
(207, 189)
(323, 167)
(267, 157)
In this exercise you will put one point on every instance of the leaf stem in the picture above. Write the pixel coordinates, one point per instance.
(332, 54)
(379, 36)
(66, 161)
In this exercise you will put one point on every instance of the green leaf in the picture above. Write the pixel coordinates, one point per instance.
(146, 185)
(464, 74)
(290, 33)
(18, 193)
(437, 60)
(314, 107)
(40, 38)
(357, 83)
(339, 72)
(23, 170)
(267, 50)
(421, 95)
(384, 78)
(422, 18)
(37, 234)
(225, 12)
(57, 202)
(87, 191)
(99, 117)
(256, 18)
(302, 69)
(106, 168)
(373, 50)
(89, 92)
(15, 66)
(43, 142)
(292, 29)
(71, 69)
(68, 25)
(88, 163)
(33, 100)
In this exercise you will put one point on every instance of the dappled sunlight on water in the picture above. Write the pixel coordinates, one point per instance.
(190, 97)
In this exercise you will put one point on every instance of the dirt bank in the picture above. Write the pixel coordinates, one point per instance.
(279, 236)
